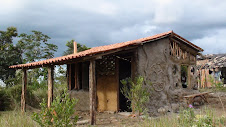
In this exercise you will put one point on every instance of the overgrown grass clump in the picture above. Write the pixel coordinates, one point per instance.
(16, 119)
(188, 118)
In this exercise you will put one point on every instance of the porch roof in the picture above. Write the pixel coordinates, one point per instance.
(102, 49)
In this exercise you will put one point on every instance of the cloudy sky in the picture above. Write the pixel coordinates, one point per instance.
(101, 22)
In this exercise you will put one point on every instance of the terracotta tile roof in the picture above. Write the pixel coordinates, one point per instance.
(101, 49)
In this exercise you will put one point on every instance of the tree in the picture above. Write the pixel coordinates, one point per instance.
(8, 53)
(35, 47)
(70, 49)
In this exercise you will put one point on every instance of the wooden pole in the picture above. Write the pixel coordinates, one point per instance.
(75, 47)
(92, 92)
(69, 77)
(76, 77)
(24, 89)
(50, 85)
(189, 77)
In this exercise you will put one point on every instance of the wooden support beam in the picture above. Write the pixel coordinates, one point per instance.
(92, 92)
(50, 84)
(189, 76)
(76, 76)
(24, 89)
(69, 76)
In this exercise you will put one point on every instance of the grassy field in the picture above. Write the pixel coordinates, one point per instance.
(16, 119)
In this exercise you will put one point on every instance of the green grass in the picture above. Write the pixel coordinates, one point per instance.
(213, 89)
(204, 117)
(16, 119)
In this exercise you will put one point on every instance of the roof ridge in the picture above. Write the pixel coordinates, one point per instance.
(100, 49)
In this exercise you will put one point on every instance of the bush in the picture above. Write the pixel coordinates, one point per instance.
(4, 100)
(59, 113)
(15, 96)
(135, 92)
(187, 118)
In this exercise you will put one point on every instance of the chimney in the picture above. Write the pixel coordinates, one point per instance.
(75, 47)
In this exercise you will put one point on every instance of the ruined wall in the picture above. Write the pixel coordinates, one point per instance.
(83, 99)
(155, 65)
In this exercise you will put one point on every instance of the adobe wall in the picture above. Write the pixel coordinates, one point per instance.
(155, 65)
(83, 99)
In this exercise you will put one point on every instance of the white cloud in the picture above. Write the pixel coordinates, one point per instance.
(9, 6)
(99, 22)
(93, 6)
(214, 43)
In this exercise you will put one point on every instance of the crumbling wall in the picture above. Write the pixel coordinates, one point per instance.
(155, 65)
(83, 99)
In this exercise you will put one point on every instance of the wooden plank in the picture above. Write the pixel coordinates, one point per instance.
(92, 92)
(189, 77)
(50, 85)
(134, 61)
(76, 77)
(24, 89)
(117, 78)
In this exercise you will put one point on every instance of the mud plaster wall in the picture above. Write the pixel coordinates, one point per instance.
(155, 65)
(107, 93)
(83, 99)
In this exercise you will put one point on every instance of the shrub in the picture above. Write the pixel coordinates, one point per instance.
(4, 100)
(15, 92)
(59, 113)
(217, 84)
(135, 92)
(187, 118)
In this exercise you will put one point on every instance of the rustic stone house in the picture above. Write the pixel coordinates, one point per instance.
(94, 75)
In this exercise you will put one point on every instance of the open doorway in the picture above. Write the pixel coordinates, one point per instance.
(184, 76)
(124, 72)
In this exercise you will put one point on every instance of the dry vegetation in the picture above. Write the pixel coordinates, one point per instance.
(15, 118)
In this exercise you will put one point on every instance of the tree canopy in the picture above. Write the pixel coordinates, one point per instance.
(29, 48)
(8, 53)
(70, 46)
(35, 47)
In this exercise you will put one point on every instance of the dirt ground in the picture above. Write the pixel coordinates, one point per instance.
(216, 102)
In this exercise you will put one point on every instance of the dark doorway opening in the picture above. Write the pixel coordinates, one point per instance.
(124, 72)
(184, 75)
(223, 74)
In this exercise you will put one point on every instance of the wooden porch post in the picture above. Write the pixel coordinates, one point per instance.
(24, 89)
(50, 84)
(189, 77)
(92, 92)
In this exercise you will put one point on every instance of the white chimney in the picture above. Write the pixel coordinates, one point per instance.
(75, 47)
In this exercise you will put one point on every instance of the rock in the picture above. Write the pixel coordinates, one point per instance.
(114, 120)
(82, 122)
(167, 108)
(80, 117)
(110, 112)
(162, 110)
(125, 113)
(175, 107)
